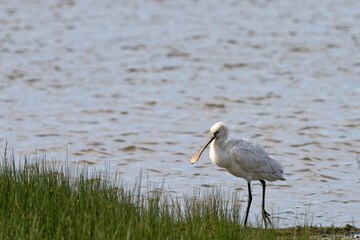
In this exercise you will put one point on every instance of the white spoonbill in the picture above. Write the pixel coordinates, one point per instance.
(244, 159)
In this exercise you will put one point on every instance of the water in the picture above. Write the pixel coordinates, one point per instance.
(137, 84)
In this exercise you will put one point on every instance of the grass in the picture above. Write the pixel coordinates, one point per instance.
(42, 200)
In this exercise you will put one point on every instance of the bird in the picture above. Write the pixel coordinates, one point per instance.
(244, 159)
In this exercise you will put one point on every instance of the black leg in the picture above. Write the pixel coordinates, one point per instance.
(265, 215)
(249, 203)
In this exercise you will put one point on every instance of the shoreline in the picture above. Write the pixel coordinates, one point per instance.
(43, 200)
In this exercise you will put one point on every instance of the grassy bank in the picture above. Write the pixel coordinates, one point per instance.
(41, 200)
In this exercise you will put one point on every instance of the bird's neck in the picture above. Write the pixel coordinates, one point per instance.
(218, 153)
(219, 143)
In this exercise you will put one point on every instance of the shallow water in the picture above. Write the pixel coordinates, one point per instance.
(137, 84)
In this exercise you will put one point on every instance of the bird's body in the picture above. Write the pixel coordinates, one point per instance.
(245, 159)
(242, 158)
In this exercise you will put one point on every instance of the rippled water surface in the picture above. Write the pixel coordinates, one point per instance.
(137, 85)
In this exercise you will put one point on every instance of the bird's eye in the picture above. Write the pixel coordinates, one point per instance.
(217, 132)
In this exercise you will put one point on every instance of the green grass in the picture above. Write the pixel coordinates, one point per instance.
(42, 200)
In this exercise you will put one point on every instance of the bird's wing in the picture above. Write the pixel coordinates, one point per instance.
(254, 158)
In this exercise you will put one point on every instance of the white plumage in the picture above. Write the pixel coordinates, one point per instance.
(244, 159)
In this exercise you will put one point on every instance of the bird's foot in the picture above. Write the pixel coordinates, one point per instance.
(266, 216)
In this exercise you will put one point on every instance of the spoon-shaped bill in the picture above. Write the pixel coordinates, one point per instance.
(197, 156)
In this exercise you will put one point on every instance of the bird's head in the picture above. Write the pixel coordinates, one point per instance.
(217, 131)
